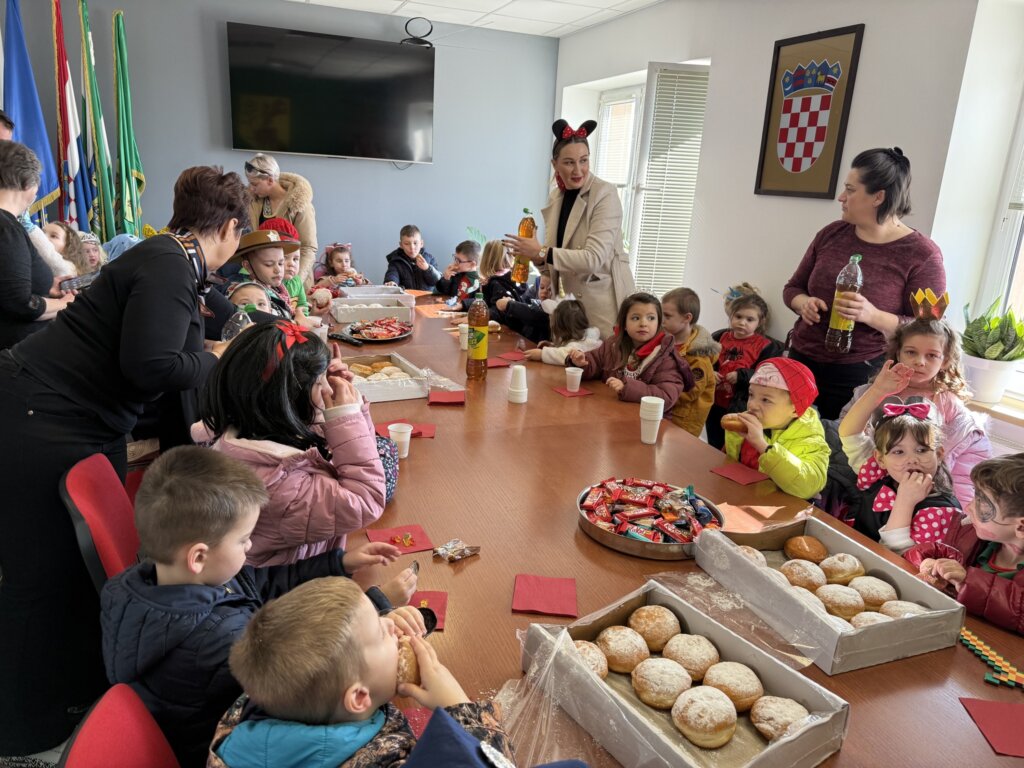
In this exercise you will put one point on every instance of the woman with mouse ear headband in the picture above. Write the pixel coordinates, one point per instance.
(582, 249)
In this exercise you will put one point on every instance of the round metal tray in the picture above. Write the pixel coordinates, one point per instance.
(355, 335)
(635, 547)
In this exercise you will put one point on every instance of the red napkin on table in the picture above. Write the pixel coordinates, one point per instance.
(566, 393)
(543, 594)
(418, 718)
(435, 601)
(440, 397)
(420, 540)
(514, 356)
(497, 362)
(740, 473)
(999, 722)
(418, 430)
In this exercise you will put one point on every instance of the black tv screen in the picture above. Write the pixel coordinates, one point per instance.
(316, 94)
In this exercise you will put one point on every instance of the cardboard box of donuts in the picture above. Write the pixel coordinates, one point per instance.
(382, 378)
(843, 605)
(656, 682)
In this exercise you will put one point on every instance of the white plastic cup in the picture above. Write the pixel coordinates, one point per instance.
(649, 430)
(322, 331)
(518, 395)
(573, 377)
(518, 377)
(652, 407)
(463, 335)
(401, 434)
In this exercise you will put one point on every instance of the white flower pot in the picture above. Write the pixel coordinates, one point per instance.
(989, 379)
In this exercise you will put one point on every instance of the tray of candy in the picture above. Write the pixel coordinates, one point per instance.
(644, 518)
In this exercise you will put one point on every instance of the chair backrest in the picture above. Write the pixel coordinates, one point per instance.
(118, 730)
(103, 516)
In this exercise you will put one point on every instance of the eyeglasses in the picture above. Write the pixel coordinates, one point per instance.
(252, 170)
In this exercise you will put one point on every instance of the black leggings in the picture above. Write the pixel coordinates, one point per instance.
(836, 381)
(51, 666)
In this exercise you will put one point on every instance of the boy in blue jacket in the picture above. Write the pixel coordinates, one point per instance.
(170, 621)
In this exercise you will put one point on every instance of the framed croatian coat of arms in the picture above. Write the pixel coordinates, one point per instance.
(809, 98)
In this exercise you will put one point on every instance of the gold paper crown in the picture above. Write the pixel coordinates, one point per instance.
(928, 306)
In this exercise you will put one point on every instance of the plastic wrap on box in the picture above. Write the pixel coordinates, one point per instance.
(831, 650)
(557, 681)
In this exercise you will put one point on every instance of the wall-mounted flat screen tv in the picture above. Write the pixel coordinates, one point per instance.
(316, 94)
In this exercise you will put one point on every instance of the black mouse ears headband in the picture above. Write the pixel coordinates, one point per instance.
(563, 130)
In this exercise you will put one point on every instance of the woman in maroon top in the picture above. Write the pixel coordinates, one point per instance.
(897, 260)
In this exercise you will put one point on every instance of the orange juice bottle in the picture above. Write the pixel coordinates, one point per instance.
(839, 337)
(521, 269)
(476, 360)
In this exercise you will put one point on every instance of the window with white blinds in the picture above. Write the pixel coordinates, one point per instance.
(618, 124)
(1015, 222)
(667, 174)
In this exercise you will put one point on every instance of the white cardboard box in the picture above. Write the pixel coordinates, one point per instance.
(395, 389)
(833, 651)
(638, 735)
(350, 310)
(373, 290)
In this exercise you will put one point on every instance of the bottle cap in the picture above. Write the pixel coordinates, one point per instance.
(480, 295)
(855, 259)
(248, 308)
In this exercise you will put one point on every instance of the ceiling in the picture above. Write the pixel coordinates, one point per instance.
(554, 18)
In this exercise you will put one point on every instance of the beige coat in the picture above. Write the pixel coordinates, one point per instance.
(592, 265)
(297, 207)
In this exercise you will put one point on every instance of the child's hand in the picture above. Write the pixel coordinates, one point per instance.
(343, 392)
(578, 357)
(439, 687)
(533, 354)
(914, 489)
(810, 310)
(951, 572)
(755, 432)
(421, 263)
(718, 378)
(401, 587)
(449, 271)
(615, 385)
(731, 377)
(374, 553)
(337, 366)
(502, 303)
(408, 621)
(544, 344)
(892, 379)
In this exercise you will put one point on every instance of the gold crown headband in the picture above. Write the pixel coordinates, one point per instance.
(927, 306)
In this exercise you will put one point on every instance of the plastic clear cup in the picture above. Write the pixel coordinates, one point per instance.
(463, 335)
(401, 434)
(573, 376)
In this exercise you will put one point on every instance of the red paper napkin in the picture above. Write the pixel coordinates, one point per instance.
(999, 722)
(420, 540)
(418, 430)
(418, 718)
(566, 393)
(440, 397)
(514, 356)
(497, 362)
(740, 473)
(543, 594)
(435, 601)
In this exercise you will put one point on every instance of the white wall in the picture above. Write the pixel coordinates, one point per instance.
(911, 65)
(970, 204)
(492, 114)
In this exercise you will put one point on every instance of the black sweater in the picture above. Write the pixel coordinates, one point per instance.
(135, 333)
(25, 280)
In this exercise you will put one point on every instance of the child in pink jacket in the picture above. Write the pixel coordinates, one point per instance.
(640, 359)
(278, 402)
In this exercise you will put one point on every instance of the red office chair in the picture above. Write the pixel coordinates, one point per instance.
(103, 516)
(118, 730)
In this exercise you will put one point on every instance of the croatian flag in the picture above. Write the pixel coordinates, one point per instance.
(72, 204)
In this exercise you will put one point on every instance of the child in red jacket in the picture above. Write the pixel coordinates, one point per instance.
(640, 360)
(981, 560)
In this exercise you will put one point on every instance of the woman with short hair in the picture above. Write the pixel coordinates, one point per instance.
(74, 389)
(897, 260)
(285, 196)
(29, 294)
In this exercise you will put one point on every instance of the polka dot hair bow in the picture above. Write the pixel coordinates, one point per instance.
(568, 132)
(870, 473)
(921, 411)
(931, 523)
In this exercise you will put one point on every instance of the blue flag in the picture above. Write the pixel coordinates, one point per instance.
(21, 103)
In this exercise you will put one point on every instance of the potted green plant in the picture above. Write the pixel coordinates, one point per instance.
(993, 346)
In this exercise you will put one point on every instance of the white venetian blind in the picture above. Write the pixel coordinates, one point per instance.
(615, 130)
(668, 176)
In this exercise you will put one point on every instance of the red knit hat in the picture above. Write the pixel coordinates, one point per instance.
(785, 373)
(283, 227)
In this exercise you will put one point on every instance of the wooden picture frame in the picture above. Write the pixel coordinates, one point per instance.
(809, 93)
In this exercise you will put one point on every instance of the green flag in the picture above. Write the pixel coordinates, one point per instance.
(131, 181)
(97, 151)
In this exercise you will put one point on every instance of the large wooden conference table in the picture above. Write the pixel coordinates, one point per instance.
(506, 476)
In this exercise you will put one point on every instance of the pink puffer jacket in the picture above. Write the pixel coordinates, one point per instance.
(314, 502)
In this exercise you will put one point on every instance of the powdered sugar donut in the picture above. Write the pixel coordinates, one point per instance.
(803, 573)
(772, 715)
(901, 609)
(623, 647)
(593, 657)
(705, 716)
(809, 599)
(737, 681)
(321, 297)
(873, 591)
(753, 555)
(656, 624)
(695, 652)
(840, 601)
(658, 682)
(841, 568)
(869, 618)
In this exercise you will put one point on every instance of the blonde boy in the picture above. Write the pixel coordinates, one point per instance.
(781, 433)
(319, 668)
(680, 311)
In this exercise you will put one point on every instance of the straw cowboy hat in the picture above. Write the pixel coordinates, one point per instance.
(260, 239)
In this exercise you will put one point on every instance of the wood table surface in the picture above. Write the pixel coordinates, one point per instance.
(506, 476)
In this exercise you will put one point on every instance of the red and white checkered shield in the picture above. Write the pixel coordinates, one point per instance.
(802, 130)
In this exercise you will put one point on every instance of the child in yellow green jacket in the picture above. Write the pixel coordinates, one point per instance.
(681, 309)
(781, 434)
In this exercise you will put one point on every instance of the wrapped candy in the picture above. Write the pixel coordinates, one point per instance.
(455, 549)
